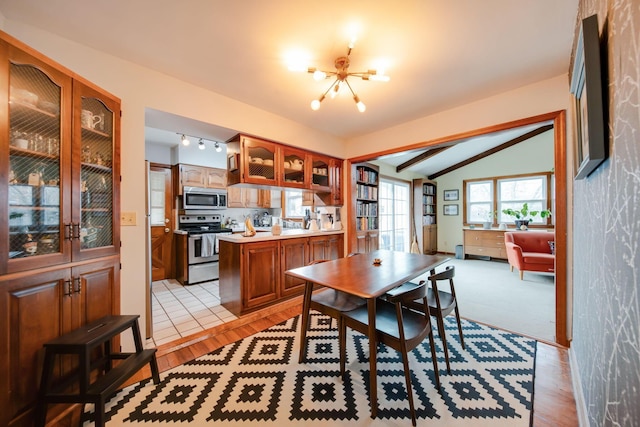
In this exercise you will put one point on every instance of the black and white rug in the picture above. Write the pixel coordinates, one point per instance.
(258, 380)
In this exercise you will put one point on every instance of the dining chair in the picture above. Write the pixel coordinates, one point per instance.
(441, 303)
(398, 327)
(329, 302)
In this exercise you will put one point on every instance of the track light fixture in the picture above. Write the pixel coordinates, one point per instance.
(184, 139)
(341, 73)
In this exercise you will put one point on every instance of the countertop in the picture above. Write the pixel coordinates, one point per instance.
(262, 236)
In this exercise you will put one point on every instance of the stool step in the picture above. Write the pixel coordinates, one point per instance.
(109, 383)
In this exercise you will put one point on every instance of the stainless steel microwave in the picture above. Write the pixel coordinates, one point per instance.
(203, 198)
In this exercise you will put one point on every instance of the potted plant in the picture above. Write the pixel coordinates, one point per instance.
(488, 220)
(524, 215)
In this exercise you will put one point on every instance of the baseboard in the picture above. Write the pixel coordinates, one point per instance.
(576, 383)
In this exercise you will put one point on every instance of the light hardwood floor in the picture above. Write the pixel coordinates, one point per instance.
(554, 404)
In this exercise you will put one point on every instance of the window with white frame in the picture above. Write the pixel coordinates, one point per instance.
(394, 215)
(293, 204)
(486, 198)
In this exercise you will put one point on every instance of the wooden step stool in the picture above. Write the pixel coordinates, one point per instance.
(82, 342)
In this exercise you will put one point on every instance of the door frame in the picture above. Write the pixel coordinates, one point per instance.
(558, 118)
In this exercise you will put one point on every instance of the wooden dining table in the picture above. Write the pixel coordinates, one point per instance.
(358, 275)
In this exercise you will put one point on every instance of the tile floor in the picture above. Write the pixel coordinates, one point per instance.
(179, 311)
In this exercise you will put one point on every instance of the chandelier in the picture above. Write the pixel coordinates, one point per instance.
(341, 74)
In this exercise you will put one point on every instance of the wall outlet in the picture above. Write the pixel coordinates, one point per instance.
(128, 218)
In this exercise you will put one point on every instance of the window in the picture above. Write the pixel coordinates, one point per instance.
(394, 215)
(479, 200)
(156, 198)
(486, 198)
(513, 193)
(293, 204)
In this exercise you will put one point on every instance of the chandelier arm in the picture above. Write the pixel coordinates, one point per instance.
(329, 88)
(349, 86)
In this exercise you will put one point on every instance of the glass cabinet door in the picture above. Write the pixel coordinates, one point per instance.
(320, 173)
(295, 168)
(260, 161)
(95, 127)
(35, 177)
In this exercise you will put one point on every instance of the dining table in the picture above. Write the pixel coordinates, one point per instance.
(362, 276)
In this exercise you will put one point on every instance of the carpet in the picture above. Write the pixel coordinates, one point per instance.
(258, 380)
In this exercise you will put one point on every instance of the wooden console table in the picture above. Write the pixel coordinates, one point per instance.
(78, 388)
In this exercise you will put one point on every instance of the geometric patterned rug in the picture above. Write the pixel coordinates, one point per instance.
(258, 380)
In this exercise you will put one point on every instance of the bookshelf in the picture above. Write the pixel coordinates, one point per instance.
(425, 214)
(366, 180)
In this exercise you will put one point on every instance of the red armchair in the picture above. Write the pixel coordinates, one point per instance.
(531, 251)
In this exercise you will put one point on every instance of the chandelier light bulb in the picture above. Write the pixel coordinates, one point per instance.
(319, 75)
(361, 107)
(315, 105)
(185, 140)
(218, 147)
(201, 144)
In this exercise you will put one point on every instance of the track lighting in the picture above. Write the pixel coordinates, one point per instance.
(201, 144)
(217, 147)
(184, 140)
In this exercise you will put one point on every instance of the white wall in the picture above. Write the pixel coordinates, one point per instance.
(539, 155)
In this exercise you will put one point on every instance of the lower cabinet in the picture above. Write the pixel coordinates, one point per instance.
(37, 308)
(430, 239)
(252, 274)
(485, 243)
(367, 241)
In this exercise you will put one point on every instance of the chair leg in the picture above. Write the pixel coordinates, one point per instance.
(511, 267)
(521, 275)
(407, 378)
(434, 357)
(443, 337)
(459, 324)
(342, 344)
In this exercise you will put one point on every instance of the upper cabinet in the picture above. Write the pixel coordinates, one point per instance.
(60, 179)
(255, 161)
(200, 176)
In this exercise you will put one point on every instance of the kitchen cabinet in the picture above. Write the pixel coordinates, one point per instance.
(42, 306)
(294, 253)
(252, 273)
(263, 163)
(241, 197)
(201, 176)
(59, 256)
(367, 241)
(483, 242)
(326, 247)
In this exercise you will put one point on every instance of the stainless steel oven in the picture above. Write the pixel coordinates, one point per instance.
(203, 229)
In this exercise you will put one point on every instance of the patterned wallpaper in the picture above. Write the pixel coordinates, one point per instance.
(606, 242)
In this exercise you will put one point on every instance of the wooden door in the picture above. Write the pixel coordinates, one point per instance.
(295, 253)
(193, 176)
(235, 197)
(32, 315)
(260, 273)
(317, 248)
(216, 178)
(161, 221)
(335, 247)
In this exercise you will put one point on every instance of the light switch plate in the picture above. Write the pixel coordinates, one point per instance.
(128, 218)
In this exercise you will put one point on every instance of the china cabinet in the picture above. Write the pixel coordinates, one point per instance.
(59, 214)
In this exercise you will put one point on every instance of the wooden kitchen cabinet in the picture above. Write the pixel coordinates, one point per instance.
(263, 163)
(60, 235)
(252, 274)
(483, 242)
(242, 197)
(367, 241)
(326, 247)
(200, 176)
(260, 273)
(40, 307)
(294, 253)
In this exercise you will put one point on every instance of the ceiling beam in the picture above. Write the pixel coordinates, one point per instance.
(494, 150)
(419, 158)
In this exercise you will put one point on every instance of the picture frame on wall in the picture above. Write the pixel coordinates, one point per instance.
(450, 195)
(450, 210)
(586, 88)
